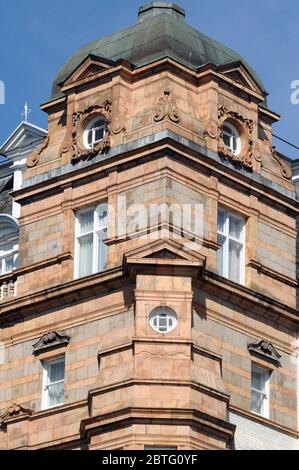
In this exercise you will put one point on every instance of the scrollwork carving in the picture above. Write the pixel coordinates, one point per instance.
(14, 411)
(285, 169)
(74, 139)
(265, 349)
(167, 108)
(49, 341)
(34, 158)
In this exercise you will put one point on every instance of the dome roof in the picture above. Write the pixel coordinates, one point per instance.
(161, 32)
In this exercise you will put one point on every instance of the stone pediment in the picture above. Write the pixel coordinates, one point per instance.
(165, 253)
(264, 349)
(50, 341)
(88, 68)
(14, 411)
(237, 72)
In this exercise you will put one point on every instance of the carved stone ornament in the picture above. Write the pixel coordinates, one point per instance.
(14, 411)
(246, 156)
(50, 341)
(118, 125)
(167, 108)
(283, 167)
(212, 129)
(75, 141)
(34, 158)
(265, 349)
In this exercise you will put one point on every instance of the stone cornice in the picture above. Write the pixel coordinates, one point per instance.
(114, 419)
(271, 273)
(76, 290)
(166, 143)
(243, 295)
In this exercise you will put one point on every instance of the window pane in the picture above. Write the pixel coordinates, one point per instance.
(227, 140)
(55, 394)
(220, 256)
(86, 221)
(103, 250)
(257, 381)
(257, 402)
(99, 134)
(85, 255)
(235, 227)
(89, 137)
(56, 372)
(9, 264)
(103, 216)
(235, 261)
(221, 221)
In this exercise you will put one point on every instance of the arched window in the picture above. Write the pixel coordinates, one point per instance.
(94, 132)
(231, 138)
(9, 244)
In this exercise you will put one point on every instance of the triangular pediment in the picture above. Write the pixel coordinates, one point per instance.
(24, 137)
(165, 252)
(90, 67)
(240, 74)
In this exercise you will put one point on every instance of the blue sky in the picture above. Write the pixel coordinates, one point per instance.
(37, 37)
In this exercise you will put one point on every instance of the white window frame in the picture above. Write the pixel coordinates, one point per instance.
(266, 392)
(6, 254)
(45, 395)
(234, 135)
(228, 238)
(91, 129)
(163, 311)
(97, 231)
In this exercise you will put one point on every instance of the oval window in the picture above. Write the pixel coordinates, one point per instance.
(163, 320)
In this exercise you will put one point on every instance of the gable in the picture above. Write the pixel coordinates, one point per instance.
(24, 136)
(89, 67)
(239, 74)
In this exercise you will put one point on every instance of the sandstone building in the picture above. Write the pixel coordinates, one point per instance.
(156, 287)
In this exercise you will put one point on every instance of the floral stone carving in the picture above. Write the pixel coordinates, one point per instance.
(167, 108)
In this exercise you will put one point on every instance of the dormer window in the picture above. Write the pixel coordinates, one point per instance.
(231, 138)
(94, 132)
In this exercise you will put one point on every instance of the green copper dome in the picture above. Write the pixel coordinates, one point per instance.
(161, 32)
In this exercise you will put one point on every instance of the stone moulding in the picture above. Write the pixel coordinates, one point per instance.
(265, 350)
(166, 108)
(14, 411)
(285, 169)
(74, 142)
(50, 341)
(34, 158)
(247, 154)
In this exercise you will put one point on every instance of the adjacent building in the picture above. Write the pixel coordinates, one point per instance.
(156, 302)
(14, 151)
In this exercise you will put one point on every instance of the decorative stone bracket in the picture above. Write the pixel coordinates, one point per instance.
(285, 170)
(266, 350)
(166, 108)
(50, 341)
(34, 158)
(74, 142)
